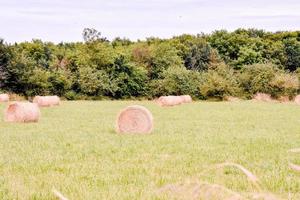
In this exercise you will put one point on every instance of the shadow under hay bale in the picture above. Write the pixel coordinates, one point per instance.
(46, 101)
(134, 119)
(4, 97)
(22, 112)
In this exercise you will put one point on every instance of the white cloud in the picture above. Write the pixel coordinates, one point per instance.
(57, 20)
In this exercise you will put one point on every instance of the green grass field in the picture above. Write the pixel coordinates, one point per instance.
(74, 149)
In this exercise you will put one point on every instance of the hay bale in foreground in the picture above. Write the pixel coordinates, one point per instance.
(186, 99)
(22, 112)
(134, 119)
(169, 100)
(4, 97)
(262, 97)
(46, 101)
(297, 99)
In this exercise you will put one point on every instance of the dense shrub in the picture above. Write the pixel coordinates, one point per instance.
(176, 81)
(37, 83)
(93, 82)
(284, 84)
(219, 82)
(163, 56)
(257, 78)
(200, 56)
(59, 83)
(126, 79)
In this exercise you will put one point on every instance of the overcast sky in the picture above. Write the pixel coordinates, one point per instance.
(64, 20)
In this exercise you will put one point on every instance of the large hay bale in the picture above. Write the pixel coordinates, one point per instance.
(4, 97)
(46, 101)
(262, 97)
(186, 99)
(22, 112)
(170, 100)
(134, 119)
(297, 99)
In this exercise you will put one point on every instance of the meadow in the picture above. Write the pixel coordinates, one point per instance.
(75, 149)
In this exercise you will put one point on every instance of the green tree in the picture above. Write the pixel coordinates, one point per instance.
(292, 51)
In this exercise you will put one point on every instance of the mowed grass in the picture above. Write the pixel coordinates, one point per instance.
(75, 149)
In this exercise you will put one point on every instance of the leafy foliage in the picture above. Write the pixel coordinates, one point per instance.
(238, 63)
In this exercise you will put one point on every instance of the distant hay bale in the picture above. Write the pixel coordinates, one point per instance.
(186, 99)
(262, 97)
(297, 99)
(22, 112)
(284, 99)
(169, 100)
(134, 119)
(46, 101)
(4, 97)
(231, 99)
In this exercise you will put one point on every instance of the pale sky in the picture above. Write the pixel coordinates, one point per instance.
(64, 20)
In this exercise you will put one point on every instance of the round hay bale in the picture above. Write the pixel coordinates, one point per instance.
(186, 98)
(46, 101)
(297, 99)
(22, 112)
(4, 97)
(134, 119)
(262, 97)
(170, 100)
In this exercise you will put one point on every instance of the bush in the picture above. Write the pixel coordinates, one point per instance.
(93, 82)
(126, 79)
(176, 81)
(60, 83)
(71, 95)
(219, 83)
(284, 84)
(257, 78)
(200, 56)
(37, 83)
(163, 56)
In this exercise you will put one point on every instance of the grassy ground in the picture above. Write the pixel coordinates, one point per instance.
(75, 149)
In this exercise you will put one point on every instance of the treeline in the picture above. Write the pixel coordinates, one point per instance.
(239, 63)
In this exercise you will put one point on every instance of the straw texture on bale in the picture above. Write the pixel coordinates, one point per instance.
(297, 99)
(4, 97)
(46, 101)
(262, 97)
(186, 98)
(22, 112)
(169, 100)
(134, 119)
